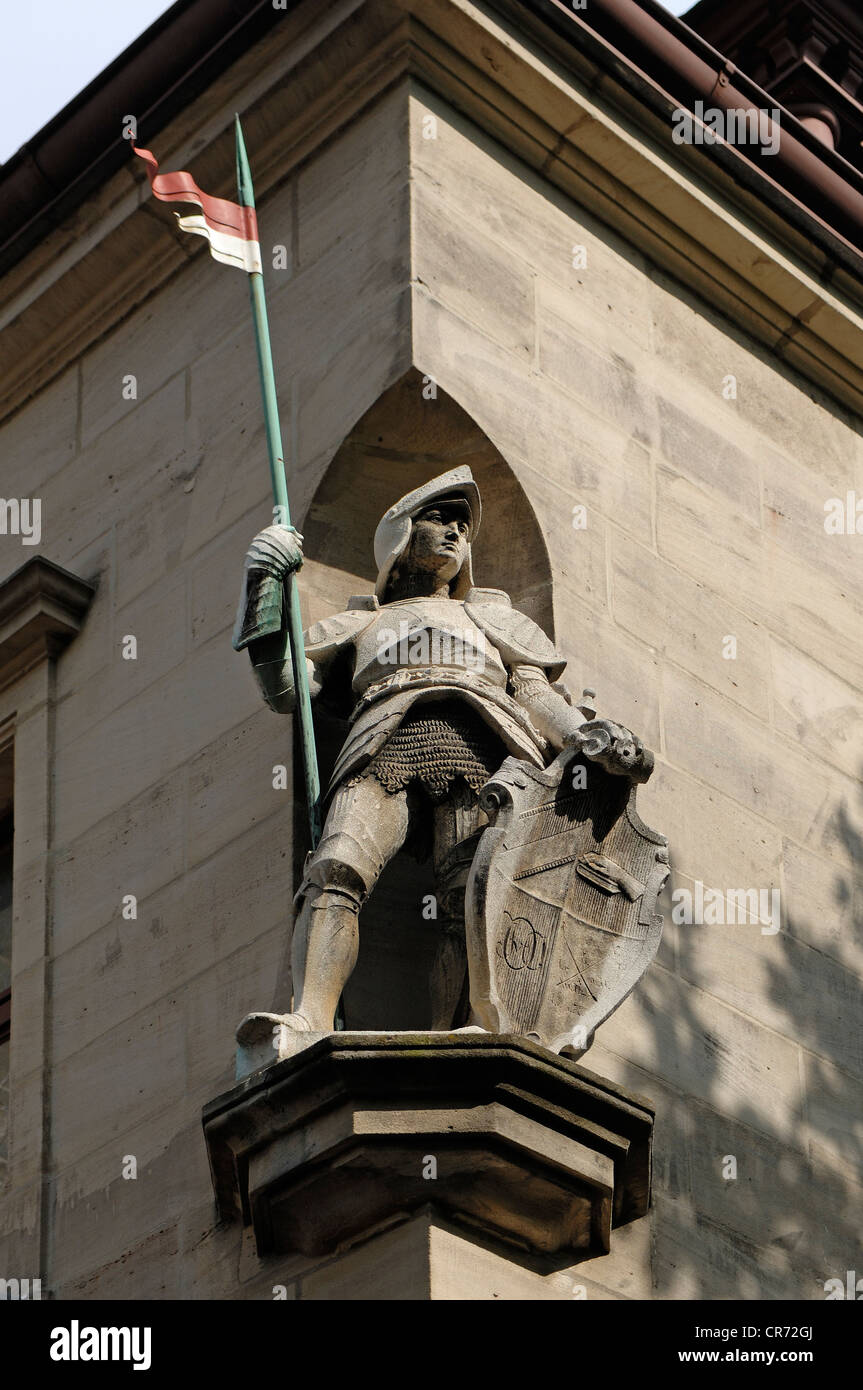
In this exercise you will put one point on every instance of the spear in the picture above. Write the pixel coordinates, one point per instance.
(281, 509)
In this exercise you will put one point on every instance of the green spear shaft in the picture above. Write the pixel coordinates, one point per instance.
(246, 198)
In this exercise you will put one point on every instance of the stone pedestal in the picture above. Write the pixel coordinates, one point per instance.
(361, 1132)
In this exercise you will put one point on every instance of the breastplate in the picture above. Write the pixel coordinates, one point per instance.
(425, 634)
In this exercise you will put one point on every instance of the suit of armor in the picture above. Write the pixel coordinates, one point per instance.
(445, 686)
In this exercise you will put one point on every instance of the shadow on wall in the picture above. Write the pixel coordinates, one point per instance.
(405, 439)
(789, 1220)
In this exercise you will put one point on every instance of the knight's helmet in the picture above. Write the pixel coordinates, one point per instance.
(393, 534)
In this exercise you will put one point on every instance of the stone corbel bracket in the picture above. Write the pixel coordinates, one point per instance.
(42, 607)
(318, 1151)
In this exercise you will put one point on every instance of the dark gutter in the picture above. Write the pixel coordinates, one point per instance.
(646, 49)
(169, 65)
(644, 41)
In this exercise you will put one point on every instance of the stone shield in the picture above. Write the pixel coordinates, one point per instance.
(561, 915)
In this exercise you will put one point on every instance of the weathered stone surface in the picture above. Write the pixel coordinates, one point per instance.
(325, 1147)
(608, 471)
(355, 280)
(231, 784)
(704, 453)
(743, 759)
(146, 494)
(708, 1050)
(37, 443)
(258, 969)
(833, 1117)
(171, 719)
(805, 1240)
(820, 712)
(484, 378)
(483, 184)
(224, 400)
(333, 395)
(137, 852)
(711, 539)
(606, 386)
(165, 336)
(729, 1265)
(131, 1073)
(397, 1263)
(824, 900)
(179, 928)
(149, 1269)
(578, 555)
(624, 673)
(769, 977)
(427, 1259)
(352, 176)
(465, 272)
(20, 1225)
(141, 1177)
(140, 454)
(714, 836)
(794, 492)
(26, 1110)
(693, 345)
(687, 624)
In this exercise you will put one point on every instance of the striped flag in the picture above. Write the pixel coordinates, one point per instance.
(231, 230)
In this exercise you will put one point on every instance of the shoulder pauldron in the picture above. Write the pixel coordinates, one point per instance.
(516, 636)
(328, 636)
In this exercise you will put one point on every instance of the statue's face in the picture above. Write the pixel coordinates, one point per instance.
(439, 540)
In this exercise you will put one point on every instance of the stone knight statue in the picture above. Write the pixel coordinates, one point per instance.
(449, 682)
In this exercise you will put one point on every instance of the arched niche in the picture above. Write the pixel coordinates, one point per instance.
(403, 440)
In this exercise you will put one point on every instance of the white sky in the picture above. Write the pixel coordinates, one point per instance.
(51, 49)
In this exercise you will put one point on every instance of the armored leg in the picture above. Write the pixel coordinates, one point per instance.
(458, 823)
(365, 826)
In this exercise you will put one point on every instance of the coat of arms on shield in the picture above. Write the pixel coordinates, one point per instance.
(561, 910)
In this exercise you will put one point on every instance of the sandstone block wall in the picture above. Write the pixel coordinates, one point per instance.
(606, 386)
(600, 382)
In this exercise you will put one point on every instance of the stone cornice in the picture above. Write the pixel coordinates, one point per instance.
(598, 140)
(42, 607)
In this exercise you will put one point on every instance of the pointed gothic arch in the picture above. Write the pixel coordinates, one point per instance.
(401, 441)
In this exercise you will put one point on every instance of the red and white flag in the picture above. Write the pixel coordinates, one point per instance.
(231, 230)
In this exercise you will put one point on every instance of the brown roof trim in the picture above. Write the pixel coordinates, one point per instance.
(643, 41)
(645, 49)
(82, 146)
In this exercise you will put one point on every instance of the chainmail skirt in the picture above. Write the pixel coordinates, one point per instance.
(436, 744)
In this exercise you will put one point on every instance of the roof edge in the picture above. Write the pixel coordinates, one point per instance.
(82, 146)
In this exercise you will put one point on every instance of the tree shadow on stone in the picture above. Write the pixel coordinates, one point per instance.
(759, 1130)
